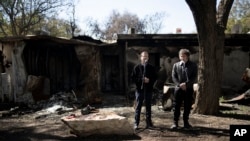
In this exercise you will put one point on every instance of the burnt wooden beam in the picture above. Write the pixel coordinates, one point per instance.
(159, 40)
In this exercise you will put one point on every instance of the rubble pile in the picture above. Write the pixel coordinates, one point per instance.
(59, 103)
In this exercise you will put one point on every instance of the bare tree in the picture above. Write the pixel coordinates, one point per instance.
(240, 9)
(211, 24)
(53, 26)
(94, 28)
(153, 23)
(18, 17)
(239, 17)
(118, 23)
(72, 15)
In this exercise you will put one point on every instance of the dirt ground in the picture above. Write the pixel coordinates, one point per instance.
(32, 127)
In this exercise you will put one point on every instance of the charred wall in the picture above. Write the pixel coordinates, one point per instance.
(235, 62)
(58, 62)
(41, 66)
(112, 69)
(89, 86)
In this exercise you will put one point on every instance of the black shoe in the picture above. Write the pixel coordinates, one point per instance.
(174, 126)
(187, 125)
(135, 127)
(149, 124)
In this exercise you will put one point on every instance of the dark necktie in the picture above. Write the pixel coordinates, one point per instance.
(184, 72)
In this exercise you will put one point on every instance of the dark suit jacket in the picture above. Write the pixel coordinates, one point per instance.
(138, 73)
(190, 69)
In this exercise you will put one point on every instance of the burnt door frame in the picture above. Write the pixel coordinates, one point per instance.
(111, 73)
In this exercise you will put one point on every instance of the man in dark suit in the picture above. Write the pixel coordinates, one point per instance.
(184, 75)
(143, 76)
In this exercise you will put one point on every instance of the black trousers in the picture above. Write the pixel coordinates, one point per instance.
(140, 97)
(181, 96)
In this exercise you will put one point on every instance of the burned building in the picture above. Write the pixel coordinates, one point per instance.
(163, 53)
(36, 67)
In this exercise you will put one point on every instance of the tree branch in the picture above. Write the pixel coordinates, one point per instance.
(223, 13)
(22, 15)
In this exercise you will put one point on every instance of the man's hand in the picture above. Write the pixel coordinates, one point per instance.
(183, 86)
(146, 80)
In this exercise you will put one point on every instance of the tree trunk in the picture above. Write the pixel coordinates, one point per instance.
(210, 73)
(210, 26)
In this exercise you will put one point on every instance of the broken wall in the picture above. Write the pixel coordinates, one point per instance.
(235, 63)
(14, 73)
(89, 78)
(42, 67)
